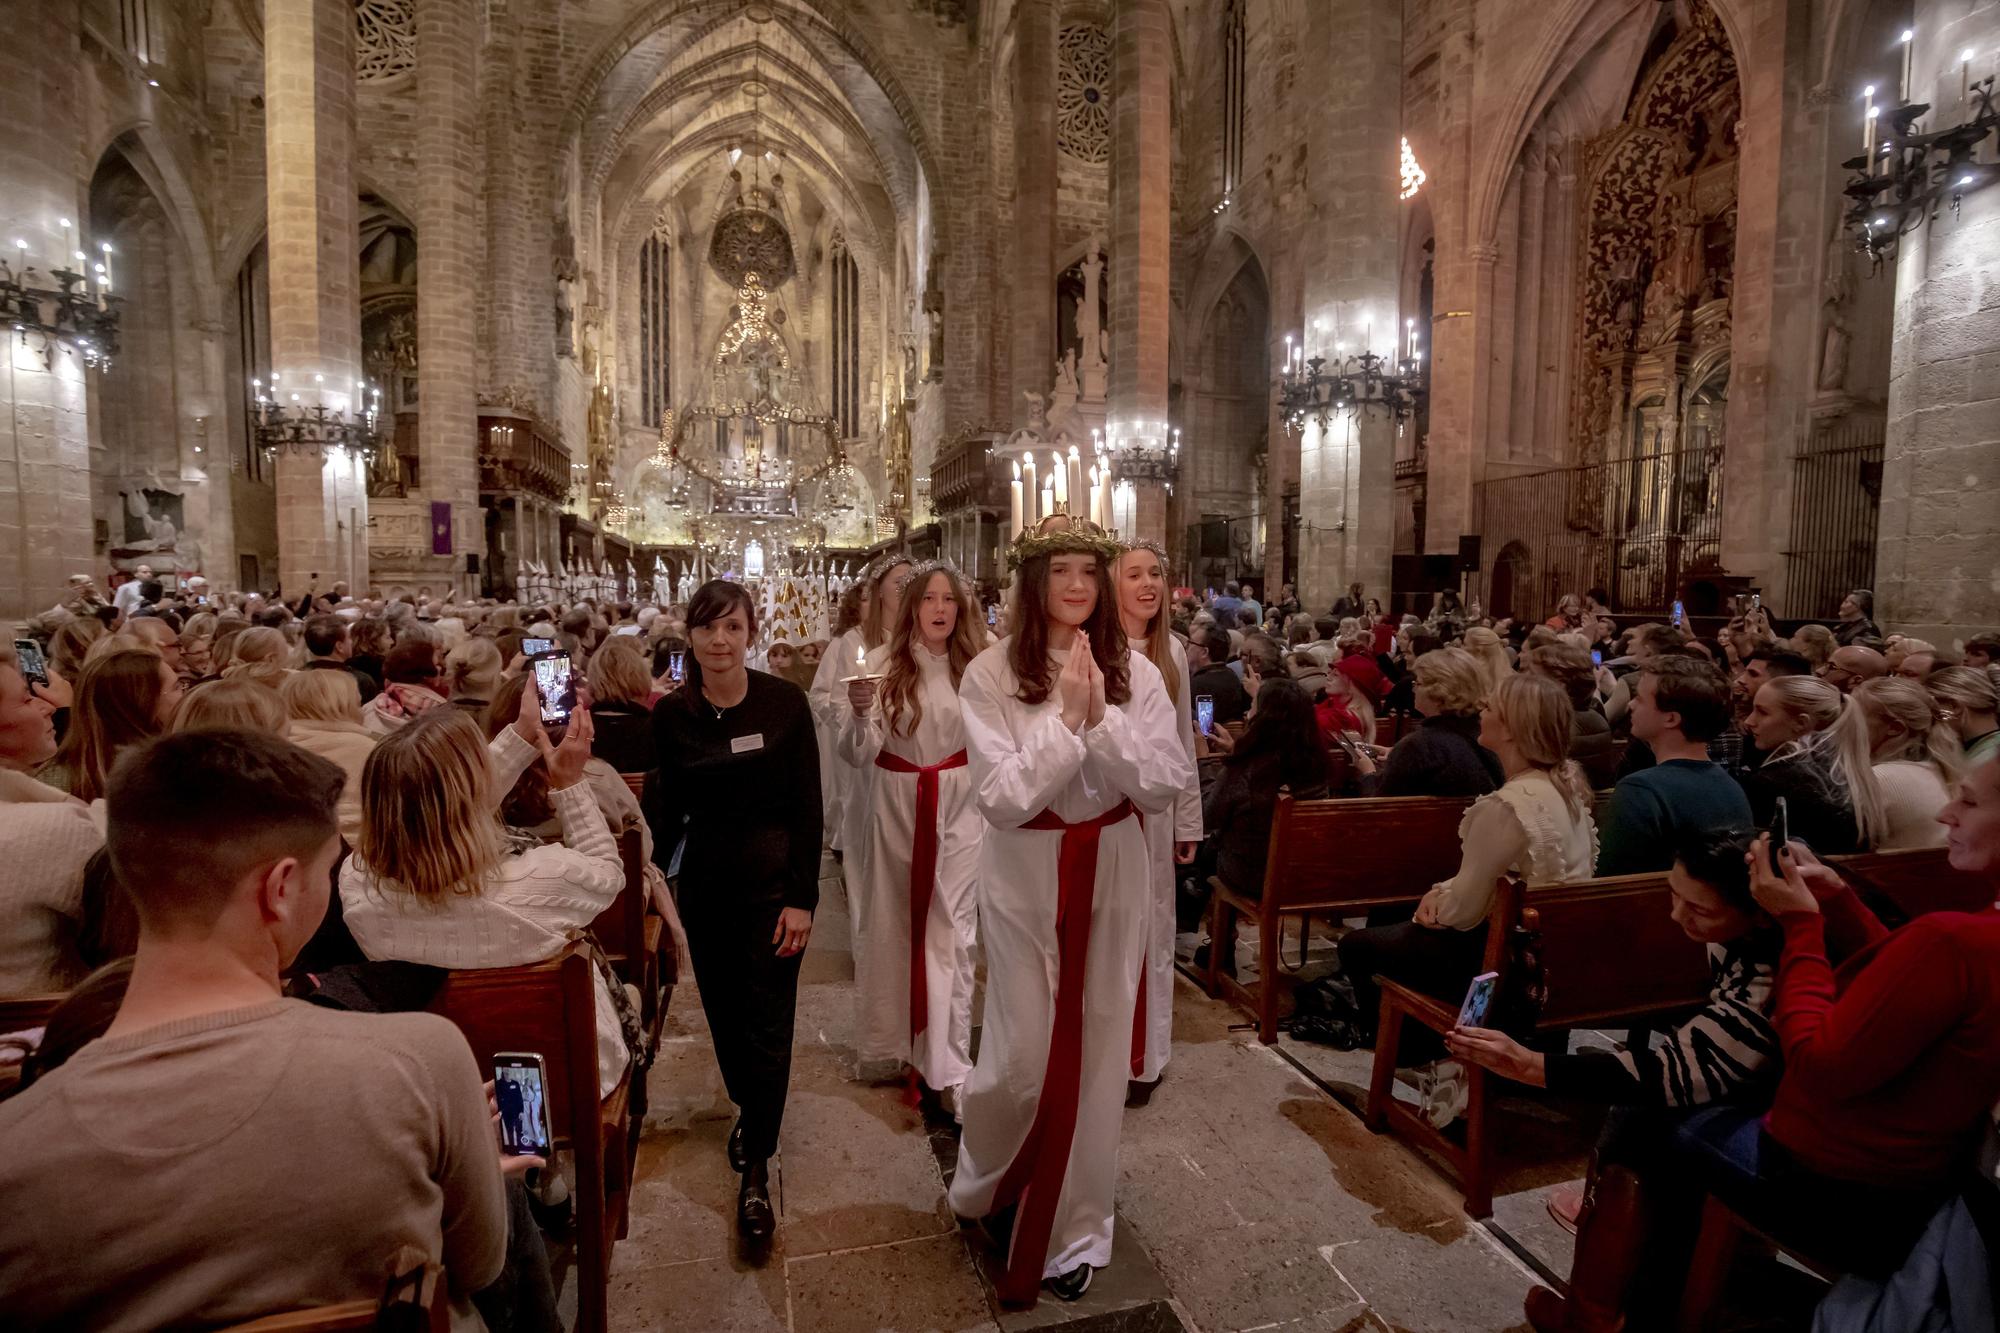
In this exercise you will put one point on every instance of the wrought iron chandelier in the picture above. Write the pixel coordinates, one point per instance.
(1316, 388)
(1903, 178)
(283, 421)
(78, 314)
(1138, 450)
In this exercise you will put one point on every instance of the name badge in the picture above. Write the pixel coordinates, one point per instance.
(745, 744)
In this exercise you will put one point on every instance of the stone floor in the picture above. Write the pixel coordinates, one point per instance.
(1249, 1199)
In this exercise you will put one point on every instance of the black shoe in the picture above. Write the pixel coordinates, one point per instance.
(1139, 1094)
(1071, 1285)
(737, 1162)
(754, 1215)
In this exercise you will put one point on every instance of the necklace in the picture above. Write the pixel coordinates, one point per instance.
(714, 706)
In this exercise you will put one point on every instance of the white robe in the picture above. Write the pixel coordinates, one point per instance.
(828, 697)
(942, 1053)
(1023, 761)
(1184, 825)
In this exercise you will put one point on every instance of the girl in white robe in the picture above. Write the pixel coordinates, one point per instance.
(1140, 583)
(1065, 889)
(914, 996)
(837, 665)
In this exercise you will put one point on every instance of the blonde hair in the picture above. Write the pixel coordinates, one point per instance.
(322, 696)
(1357, 701)
(1453, 677)
(121, 643)
(1808, 698)
(1963, 689)
(1815, 643)
(1926, 740)
(235, 703)
(428, 827)
(1158, 644)
(1485, 645)
(873, 632)
(472, 670)
(1538, 715)
(618, 672)
(259, 653)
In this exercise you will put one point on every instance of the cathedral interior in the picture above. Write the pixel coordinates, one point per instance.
(635, 286)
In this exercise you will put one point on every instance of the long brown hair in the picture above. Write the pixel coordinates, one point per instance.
(1028, 650)
(873, 632)
(1158, 643)
(117, 705)
(901, 692)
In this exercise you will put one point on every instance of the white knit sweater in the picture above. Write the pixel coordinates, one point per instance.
(46, 839)
(523, 914)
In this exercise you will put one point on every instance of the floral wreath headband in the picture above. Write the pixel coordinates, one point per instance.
(1148, 545)
(1080, 537)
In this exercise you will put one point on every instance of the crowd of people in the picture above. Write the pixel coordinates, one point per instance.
(211, 802)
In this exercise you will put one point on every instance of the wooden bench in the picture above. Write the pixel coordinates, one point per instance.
(419, 1303)
(549, 1008)
(631, 934)
(1331, 858)
(1916, 881)
(1549, 945)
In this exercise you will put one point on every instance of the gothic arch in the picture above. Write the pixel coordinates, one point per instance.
(146, 150)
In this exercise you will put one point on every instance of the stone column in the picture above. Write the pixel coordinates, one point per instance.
(45, 484)
(449, 253)
(1936, 564)
(1034, 240)
(1141, 238)
(1462, 277)
(315, 276)
(1347, 468)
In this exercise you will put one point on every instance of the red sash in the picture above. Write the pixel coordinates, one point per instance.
(923, 874)
(1034, 1178)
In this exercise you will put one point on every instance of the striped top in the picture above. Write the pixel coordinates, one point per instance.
(1728, 1051)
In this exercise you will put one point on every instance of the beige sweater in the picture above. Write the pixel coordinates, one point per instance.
(211, 1170)
(46, 839)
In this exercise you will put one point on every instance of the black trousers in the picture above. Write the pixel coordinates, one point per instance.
(750, 996)
(1436, 962)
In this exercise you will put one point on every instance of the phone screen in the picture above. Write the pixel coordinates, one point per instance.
(1781, 833)
(1756, 601)
(1680, 613)
(992, 616)
(677, 665)
(533, 646)
(1204, 713)
(34, 666)
(1597, 657)
(1478, 1000)
(552, 679)
(520, 1089)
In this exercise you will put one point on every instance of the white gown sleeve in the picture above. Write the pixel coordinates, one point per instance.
(1135, 750)
(1187, 806)
(1013, 780)
(859, 739)
(825, 694)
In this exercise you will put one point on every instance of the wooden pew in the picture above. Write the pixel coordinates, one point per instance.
(1916, 881)
(630, 933)
(1330, 858)
(549, 1008)
(1551, 947)
(420, 1302)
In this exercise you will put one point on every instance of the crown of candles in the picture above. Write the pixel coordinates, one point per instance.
(1061, 533)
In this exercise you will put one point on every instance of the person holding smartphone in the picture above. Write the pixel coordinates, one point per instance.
(735, 806)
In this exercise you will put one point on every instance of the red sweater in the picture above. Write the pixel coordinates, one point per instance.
(1892, 1062)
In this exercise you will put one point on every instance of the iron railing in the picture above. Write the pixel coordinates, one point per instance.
(1643, 527)
(1836, 501)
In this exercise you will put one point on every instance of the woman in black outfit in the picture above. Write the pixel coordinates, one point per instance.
(739, 780)
(1280, 748)
(1443, 757)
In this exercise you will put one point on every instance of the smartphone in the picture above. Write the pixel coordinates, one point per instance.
(1204, 714)
(1756, 601)
(1680, 614)
(1597, 657)
(552, 680)
(1478, 1000)
(34, 666)
(1346, 742)
(1781, 833)
(530, 647)
(992, 616)
(677, 665)
(520, 1089)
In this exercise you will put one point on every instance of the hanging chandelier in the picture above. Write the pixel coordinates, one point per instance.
(284, 421)
(1318, 388)
(78, 314)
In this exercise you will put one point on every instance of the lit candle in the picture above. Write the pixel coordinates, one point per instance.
(1964, 73)
(1034, 496)
(1075, 476)
(106, 247)
(1868, 136)
(1287, 362)
(1015, 530)
(69, 233)
(1049, 492)
(20, 258)
(1909, 45)
(1060, 476)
